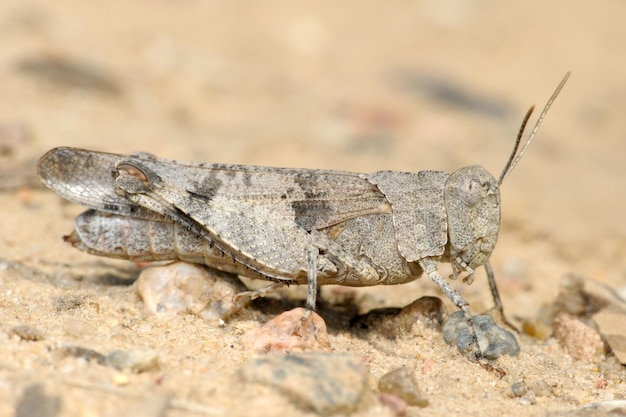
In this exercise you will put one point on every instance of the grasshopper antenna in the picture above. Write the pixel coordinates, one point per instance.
(515, 156)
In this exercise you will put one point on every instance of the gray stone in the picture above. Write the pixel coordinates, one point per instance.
(493, 340)
(326, 383)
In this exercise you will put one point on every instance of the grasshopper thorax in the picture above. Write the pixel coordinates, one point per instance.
(472, 201)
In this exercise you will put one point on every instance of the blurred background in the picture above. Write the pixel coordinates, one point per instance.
(352, 85)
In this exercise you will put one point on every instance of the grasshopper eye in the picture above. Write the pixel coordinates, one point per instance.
(472, 190)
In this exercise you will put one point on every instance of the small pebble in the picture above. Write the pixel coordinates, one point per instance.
(519, 388)
(602, 383)
(426, 307)
(182, 287)
(611, 322)
(80, 352)
(120, 379)
(28, 333)
(68, 302)
(579, 340)
(393, 322)
(134, 360)
(289, 332)
(137, 360)
(493, 340)
(326, 383)
(402, 383)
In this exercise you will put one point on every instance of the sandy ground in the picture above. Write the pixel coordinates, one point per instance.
(359, 86)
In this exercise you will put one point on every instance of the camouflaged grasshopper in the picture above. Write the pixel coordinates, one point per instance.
(289, 226)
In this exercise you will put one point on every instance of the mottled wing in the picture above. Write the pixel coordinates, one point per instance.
(314, 199)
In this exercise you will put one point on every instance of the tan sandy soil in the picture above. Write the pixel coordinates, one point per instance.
(359, 86)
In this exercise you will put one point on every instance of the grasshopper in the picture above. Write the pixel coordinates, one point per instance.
(289, 226)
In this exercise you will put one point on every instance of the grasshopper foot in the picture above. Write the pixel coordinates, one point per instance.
(493, 341)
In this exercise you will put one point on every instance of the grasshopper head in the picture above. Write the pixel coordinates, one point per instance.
(472, 200)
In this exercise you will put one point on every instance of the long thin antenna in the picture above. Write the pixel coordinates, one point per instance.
(515, 156)
(520, 133)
